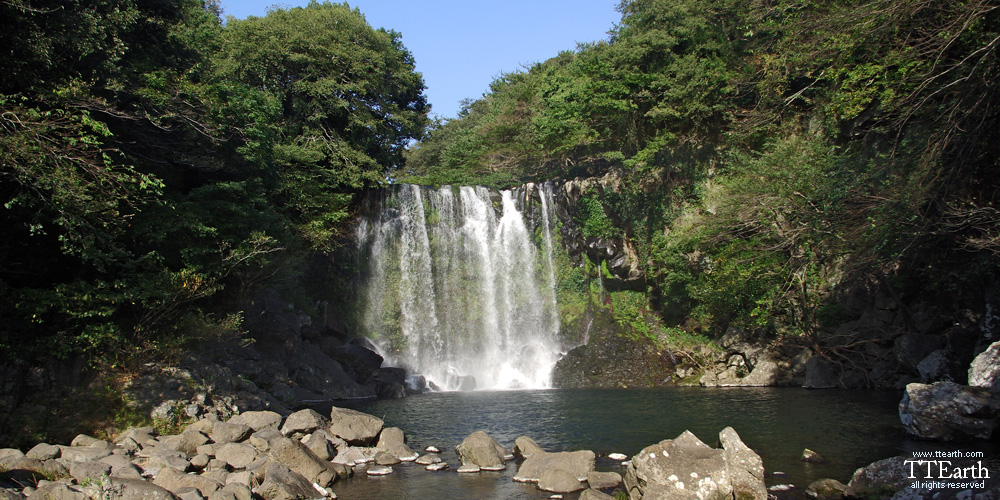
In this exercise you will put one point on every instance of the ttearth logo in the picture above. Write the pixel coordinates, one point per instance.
(947, 469)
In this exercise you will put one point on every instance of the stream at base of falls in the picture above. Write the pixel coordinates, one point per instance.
(850, 428)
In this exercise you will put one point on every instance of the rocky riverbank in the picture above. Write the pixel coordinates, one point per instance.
(263, 455)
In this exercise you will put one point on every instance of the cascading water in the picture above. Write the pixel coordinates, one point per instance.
(460, 287)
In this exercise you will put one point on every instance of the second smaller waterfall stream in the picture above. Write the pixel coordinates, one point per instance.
(459, 285)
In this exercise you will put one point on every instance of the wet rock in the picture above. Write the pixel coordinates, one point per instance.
(355, 427)
(985, 369)
(428, 459)
(819, 375)
(480, 449)
(438, 466)
(468, 469)
(303, 422)
(682, 468)
(229, 432)
(258, 420)
(281, 483)
(383, 458)
(579, 463)
(559, 481)
(403, 453)
(826, 489)
(524, 447)
(389, 437)
(948, 411)
(746, 469)
(877, 478)
(379, 470)
(812, 457)
(603, 480)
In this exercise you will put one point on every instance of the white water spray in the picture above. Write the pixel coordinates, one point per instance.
(457, 289)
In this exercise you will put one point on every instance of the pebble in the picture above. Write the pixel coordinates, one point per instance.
(618, 456)
(432, 449)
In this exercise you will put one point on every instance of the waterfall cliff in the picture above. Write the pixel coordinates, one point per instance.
(458, 284)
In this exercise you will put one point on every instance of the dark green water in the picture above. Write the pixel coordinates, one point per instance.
(849, 428)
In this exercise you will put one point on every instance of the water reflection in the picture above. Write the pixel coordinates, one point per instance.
(849, 428)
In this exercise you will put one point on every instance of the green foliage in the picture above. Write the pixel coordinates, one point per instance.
(156, 166)
(761, 151)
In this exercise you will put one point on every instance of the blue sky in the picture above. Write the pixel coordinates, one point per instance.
(460, 46)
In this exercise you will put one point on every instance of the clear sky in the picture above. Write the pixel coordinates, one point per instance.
(460, 46)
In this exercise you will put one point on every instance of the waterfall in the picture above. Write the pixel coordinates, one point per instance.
(459, 284)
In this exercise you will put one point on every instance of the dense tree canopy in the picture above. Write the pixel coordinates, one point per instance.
(766, 150)
(157, 164)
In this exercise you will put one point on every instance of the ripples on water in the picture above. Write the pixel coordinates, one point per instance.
(849, 428)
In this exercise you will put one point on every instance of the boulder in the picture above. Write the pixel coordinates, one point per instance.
(298, 458)
(261, 438)
(43, 451)
(58, 491)
(819, 374)
(257, 420)
(158, 457)
(746, 469)
(236, 455)
(876, 479)
(579, 463)
(826, 489)
(82, 453)
(232, 491)
(303, 422)
(204, 425)
(355, 427)
(403, 452)
(428, 459)
(187, 442)
(681, 468)
(524, 447)
(200, 461)
(383, 458)
(122, 467)
(281, 483)
(480, 449)
(592, 494)
(117, 488)
(229, 432)
(603, 480)
(948, 411)
(379, 470)
(89, 471)
(173, 481)
(30, 470)
(812, 457)
(765, 373)
(936, 366)
(468, 469)
(92, 442)
(389, 437)
(559, 481)
(319, 443)
(984, 371)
